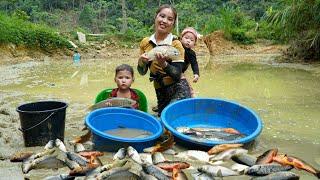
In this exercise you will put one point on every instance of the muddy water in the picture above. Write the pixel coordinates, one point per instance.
(286, 97)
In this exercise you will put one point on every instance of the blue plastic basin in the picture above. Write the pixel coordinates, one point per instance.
(210, 112)
(104, 119)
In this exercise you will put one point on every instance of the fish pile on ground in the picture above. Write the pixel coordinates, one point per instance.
(127, 163)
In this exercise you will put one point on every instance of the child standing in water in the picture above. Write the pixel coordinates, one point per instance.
(188, 39)
(124, 77)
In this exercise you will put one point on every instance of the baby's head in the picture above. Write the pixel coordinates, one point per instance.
(189, 37)
(124, 76)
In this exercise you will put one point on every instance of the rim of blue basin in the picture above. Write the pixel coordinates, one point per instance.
(131, 112)
(187, 138)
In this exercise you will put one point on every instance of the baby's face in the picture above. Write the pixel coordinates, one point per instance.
(188, 40)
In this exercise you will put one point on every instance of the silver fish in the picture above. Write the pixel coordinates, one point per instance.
(113, 102)
(78, 147)
(245, 159)
(47, 161)
(154, 171)
(158, 157)
(165, 50)
(282, 175)
(239, 167)
(49, 145)
(193, 155)
(121, 154)
(145, 176)
(77, 158)
(60, 145)
(71, 164)
(201, 176)
(217, 171)
(265, 169)
(227, 154)
(59, 177)
(146, 157)
(106, 174)
(133, 154)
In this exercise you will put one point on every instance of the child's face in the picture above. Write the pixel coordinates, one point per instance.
(188, 40)
(123, 79)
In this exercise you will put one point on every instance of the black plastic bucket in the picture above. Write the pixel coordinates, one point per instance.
(42, 121)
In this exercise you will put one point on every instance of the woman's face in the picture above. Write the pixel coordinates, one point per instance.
(164, 21)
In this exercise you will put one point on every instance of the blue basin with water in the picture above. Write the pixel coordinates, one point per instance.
(210, 112)
(105, 119)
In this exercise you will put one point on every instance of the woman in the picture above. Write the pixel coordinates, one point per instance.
(164, 72)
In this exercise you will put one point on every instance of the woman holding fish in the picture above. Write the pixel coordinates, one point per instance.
(163, 54)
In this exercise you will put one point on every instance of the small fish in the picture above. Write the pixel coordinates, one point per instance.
(245, 159)
(165, 50)
(121, 154)
(71, 164)
(117, 163)
(47, 161)
(60, 177)
(106, 174)
(201, 176)
(133, 154)
(82, 139)
(296, 163)
(145, 176)
(154, 171)
(209, 129)
(282, 175)
(194, 155)
(265, 169)
(158, 157)
(113, 102)
(77, 158)
(214, 171)
(20, 156)
(166, 142)
(239, 167)
(78, 147)
(170, 165)
(177, 174)
(267, 157)
(146, 158)
(49, 145)
(60, 145)
(222, 147)
(225, 155)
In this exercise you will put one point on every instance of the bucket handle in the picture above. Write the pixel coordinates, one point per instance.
(24, 130)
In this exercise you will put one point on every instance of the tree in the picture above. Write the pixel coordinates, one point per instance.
(124, 16)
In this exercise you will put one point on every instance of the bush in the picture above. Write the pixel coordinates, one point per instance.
(21, 32)
(239, 35)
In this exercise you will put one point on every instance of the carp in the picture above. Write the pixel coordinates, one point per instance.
(222, 147)
(267, 157)
(265, 169)
(166, 50)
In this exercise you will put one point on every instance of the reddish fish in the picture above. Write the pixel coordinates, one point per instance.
(170, 165)
(222, 147)
(166, 143)
(296, 163)
(267, 157)
(177, 174)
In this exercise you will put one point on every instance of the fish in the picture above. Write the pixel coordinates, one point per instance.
(296, 163)
(60, 145)
(60, 177)
(77, 158)
(193, 155)
(91, 155)
(113, 102)
(158, 157)
(20, 156)
(177, 174)
(166, 142)
(225, 155)
(106, 174)
(214, 171)
(239, 167)
(245, 159)
(265, 169)
(120, 154)
(71, 164)
(82, 139)
(166, 50)
(209, 129)
(78, 147)
(40, 154)
(84, 170)
(282, 175)
(116, 163)
(222, 147)
(170, 165)
(169, 152)
(267, 157)
(123, 175)
(201, 176)
(145, 176)
(133, 154)
(146, 157)
(154, 171)
(49, 145)
(47, 161)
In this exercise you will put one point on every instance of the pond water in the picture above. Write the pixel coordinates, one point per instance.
(286, 98)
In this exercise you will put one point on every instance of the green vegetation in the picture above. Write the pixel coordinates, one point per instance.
(243, 21)
(20, 32)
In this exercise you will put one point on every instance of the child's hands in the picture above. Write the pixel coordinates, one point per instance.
(195, 78)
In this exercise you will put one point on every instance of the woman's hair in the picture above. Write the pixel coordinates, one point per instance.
(124, 67)
(164, 6)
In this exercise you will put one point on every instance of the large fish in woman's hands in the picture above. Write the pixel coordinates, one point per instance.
(166, 50)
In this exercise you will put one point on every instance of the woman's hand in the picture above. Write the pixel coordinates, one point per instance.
(161, 59)
(143, 59)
